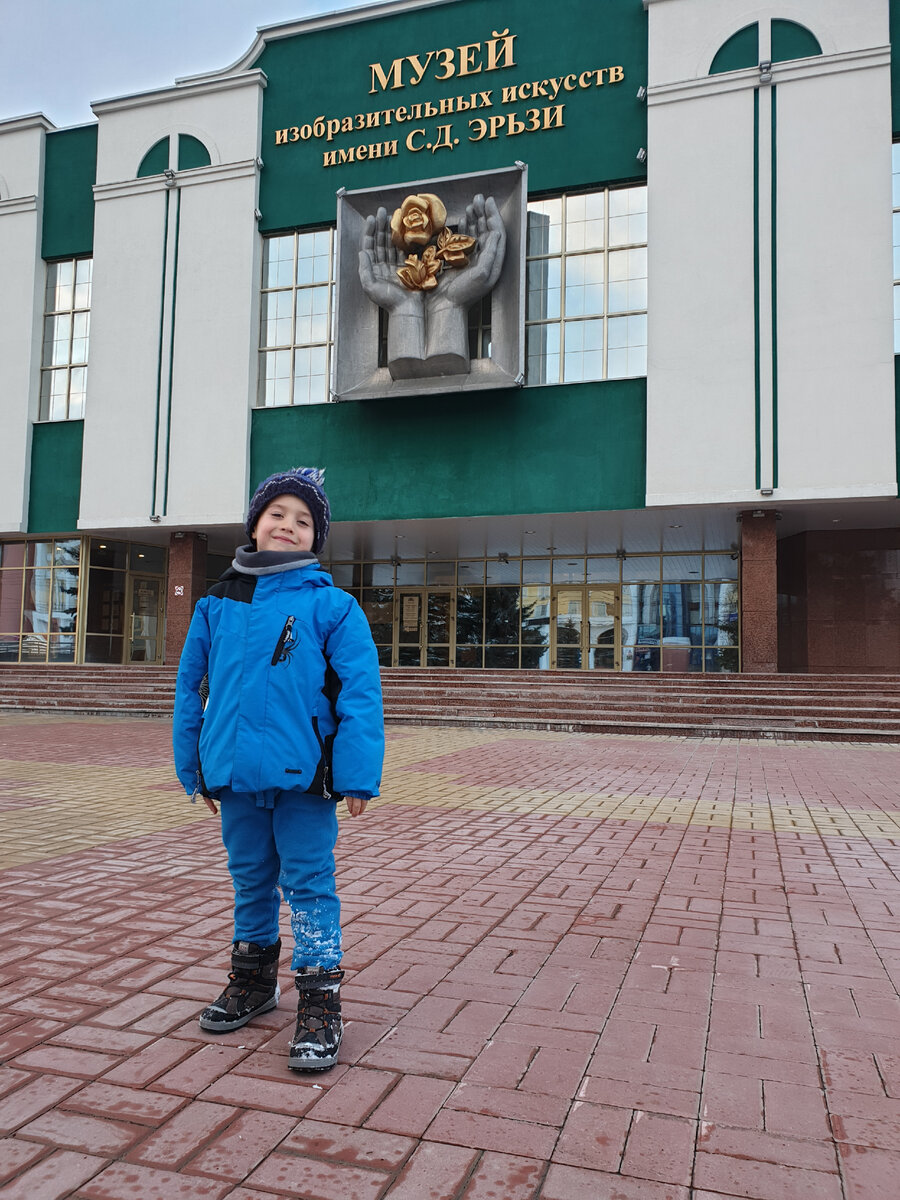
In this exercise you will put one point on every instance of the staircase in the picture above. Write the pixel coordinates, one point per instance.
(834, 707)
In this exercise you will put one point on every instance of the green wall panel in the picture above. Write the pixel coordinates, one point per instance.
(156, 160)
(70, 171)
(790, 40)
(739, 52)
(191, 153)
(575, 448)
(327, 73)
(55, 485)
(895, 65)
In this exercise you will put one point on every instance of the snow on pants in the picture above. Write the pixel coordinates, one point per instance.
(285, 839)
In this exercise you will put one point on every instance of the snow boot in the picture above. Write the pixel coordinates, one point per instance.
(315, 1043)
(252, 988)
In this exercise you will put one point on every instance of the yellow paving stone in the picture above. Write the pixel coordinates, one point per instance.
(74, 806)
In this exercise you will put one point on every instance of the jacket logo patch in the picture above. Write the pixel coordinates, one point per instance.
(286, 644)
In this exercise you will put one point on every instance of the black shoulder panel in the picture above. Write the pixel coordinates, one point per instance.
(234, 585)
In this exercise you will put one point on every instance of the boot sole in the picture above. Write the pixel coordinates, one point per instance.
(313, 1064)
(209, 1025)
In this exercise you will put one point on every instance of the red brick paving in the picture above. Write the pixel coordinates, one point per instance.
(540, 1005)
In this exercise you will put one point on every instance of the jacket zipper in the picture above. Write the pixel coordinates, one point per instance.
(283, 639)
(325, 792)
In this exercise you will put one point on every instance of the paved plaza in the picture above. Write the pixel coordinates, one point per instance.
(579, 967)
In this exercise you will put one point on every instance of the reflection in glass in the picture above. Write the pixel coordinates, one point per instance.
(502, 615)
(410, 573)
(61, 650)
(151, 559)
(721, 614)
(584, 285)
(108, 554)
(584, 222)
(9, 647)
(106, 603)
(584, 350)
(276, 319)
(12, 554)
(441, 572)
(469, 616)
(603, 570)
(278, 261)
(378, 605)
(438, 618)
(544, 226)
(542, 349)
(501, 656)
(103, 649)
(469, 656)
(543, 289)
(11, 581)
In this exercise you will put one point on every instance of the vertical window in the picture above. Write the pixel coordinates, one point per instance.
(895, 165)
(39, 600)
(67, 316)
(586, 306)
(296, 334)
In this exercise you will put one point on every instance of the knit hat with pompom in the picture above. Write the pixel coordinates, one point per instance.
(303, 482)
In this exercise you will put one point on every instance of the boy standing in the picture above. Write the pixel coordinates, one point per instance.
(293, 722)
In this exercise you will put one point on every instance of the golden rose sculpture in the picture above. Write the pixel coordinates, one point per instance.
(421, 222)
(420, 276)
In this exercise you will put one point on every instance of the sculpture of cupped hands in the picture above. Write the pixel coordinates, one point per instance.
(428, 293)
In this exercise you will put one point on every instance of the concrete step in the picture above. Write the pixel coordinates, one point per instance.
(859, 707)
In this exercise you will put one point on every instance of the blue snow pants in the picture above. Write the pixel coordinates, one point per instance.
(285, 839)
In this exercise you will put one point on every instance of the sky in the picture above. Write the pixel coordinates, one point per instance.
(56, 56)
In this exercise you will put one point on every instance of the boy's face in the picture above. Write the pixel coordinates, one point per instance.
(285, 524)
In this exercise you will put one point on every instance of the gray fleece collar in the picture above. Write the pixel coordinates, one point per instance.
(270, 562)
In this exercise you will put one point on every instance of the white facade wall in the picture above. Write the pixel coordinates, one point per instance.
(21, 306)
(174, 311)
(832, 432)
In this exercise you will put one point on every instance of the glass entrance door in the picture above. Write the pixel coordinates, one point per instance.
(584, 628)
(424, 624)
(145, 641)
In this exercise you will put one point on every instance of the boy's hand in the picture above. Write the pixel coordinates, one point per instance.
(210, 804)
(356, 806)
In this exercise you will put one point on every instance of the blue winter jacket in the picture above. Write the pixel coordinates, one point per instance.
(294, 687)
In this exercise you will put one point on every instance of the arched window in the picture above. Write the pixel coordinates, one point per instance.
(191, 153)
(156, 160)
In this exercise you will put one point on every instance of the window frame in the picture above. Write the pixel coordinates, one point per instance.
(46, 396)
(294, 288)
(561, 321)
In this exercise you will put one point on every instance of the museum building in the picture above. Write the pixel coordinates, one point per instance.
(587, 315)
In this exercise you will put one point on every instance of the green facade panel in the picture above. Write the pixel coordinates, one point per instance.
(70, 171)
(329, 73)
(790, 40)
(574, 448)
(55, 484)
(191, 153)
(739, 52)
(156, 160)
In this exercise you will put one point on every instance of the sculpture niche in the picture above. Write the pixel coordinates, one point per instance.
(427, 275)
